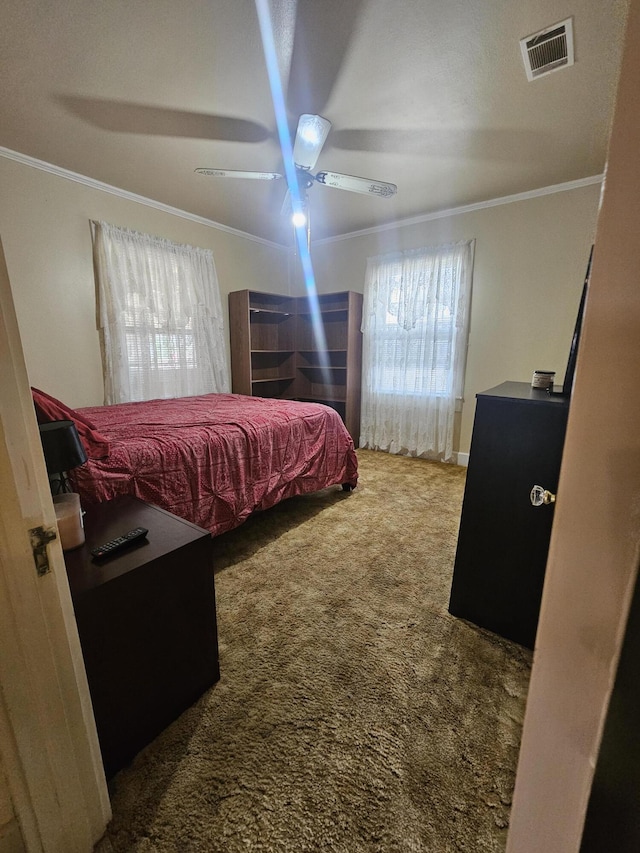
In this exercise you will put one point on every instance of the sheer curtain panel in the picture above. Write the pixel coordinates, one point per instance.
(415, 329)
(160, 317)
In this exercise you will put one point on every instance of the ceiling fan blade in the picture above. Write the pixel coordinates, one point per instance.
(483, 143)
(323, 33)
(311, 135)
(238, 173)
(356, 185)
(123, 117)
(411, 141)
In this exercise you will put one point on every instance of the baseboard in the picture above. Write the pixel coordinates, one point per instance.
(462, 459)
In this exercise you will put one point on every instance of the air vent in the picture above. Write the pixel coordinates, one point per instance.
(549, 50)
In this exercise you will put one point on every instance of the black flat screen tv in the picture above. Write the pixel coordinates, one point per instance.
(575, 341)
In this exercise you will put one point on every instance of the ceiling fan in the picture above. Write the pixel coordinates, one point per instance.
(311, 134)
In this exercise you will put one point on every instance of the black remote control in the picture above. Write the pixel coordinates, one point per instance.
(114, 545)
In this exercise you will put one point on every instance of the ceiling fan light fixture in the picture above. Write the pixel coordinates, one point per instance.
(311, 134)
(310, 137)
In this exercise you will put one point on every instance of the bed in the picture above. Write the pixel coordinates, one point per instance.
(212, 459)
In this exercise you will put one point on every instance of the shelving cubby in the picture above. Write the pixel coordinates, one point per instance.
(262, 329)
(296, 348)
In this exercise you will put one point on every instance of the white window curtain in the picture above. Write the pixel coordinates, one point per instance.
(415, 331)
(160, 315)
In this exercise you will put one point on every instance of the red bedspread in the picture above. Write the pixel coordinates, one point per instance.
(216, 458)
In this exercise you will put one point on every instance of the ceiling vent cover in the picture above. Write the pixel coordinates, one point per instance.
(549, 50)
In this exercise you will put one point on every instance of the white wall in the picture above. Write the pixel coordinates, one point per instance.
(44, 224)
(530, 261)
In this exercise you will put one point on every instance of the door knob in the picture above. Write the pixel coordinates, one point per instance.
(540, 496)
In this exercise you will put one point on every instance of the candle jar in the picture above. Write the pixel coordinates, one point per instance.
(543, 379)
(69, 518)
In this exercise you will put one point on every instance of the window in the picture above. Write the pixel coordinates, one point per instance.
(415, 326)
(154, 339)
(160, 317)
(417, 377)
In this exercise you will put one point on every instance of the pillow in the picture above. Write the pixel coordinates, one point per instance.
(49, 409)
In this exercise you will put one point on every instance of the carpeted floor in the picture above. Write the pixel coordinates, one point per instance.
(354, 713)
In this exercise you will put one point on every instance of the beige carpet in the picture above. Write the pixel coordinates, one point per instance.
(353, 712)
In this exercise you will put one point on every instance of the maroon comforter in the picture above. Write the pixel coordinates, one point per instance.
(216, 458)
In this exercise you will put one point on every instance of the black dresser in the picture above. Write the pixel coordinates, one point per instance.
(517, 441)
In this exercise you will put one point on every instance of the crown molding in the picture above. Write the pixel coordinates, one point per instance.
(92, 183)
(468, 208)
(43, 166)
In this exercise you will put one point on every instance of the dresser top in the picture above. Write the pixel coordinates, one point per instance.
(524, 391)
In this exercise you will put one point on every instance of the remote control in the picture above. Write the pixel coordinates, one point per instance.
(120, 542)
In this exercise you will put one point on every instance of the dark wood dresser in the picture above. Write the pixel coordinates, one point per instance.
(517, 441)
(147, 623)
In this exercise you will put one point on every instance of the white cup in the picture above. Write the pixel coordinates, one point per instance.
(69, 518)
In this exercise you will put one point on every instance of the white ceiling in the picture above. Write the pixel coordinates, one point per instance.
(428, 94)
